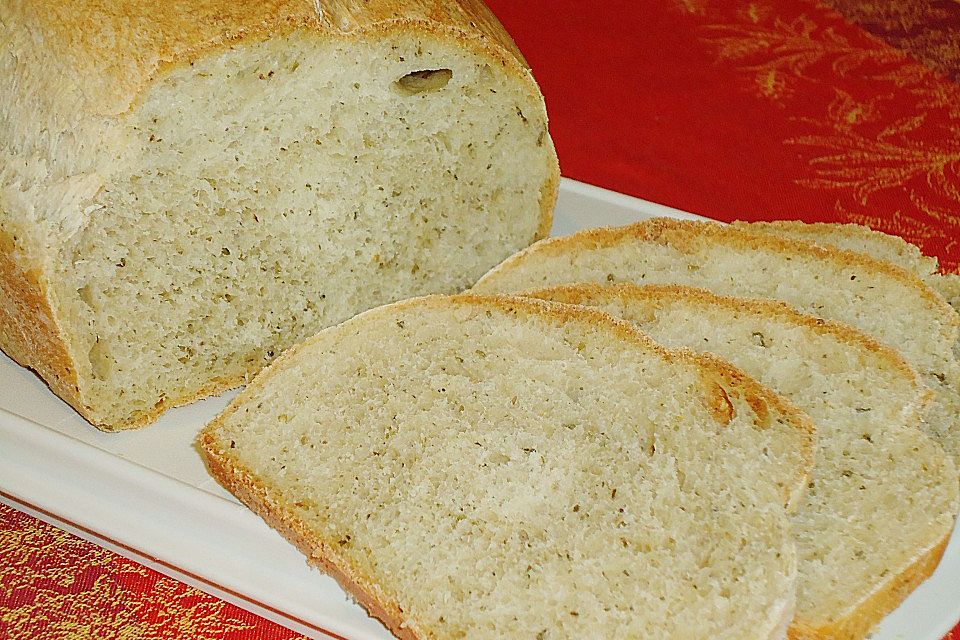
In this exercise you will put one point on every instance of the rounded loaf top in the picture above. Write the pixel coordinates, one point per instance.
(111, 49)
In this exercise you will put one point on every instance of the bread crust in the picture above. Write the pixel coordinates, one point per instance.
(119, 47)
(29, 331)
(688, 235)
(281, 516)
(817, 231)
(574, 293)
(858, 623)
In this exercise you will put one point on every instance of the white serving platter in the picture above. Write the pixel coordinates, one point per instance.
(146, 495)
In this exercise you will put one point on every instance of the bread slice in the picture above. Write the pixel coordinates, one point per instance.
(877, 297)
(882, 498)
(862, 239)
(484, 467)
(185, 191)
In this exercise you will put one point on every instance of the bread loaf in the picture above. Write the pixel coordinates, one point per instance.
(879, 298)
(189, 187)
(882, 497)
(482, 467)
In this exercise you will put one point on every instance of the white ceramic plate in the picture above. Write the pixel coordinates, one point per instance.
(146, 495)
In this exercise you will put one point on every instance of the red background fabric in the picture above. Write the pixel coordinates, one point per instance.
(758, 109)
(751, 109)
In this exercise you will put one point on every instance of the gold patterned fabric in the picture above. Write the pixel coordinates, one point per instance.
(928, 30)
(56, 586)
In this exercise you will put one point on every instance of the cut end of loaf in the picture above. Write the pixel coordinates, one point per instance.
(280, 187)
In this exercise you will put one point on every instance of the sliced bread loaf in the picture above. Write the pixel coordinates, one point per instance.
(882, 497)
(879, 298)
(483, 467)
(188, 188)
(882, 246)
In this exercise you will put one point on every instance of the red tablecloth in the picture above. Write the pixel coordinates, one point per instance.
(759, 109)
(751, 109)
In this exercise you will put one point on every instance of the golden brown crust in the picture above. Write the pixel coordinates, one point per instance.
(119, 47)
(577, 293)
(279, 515)
(29, 332)
(821, 230)
(688, 236)
(472, 17)
(857, 624)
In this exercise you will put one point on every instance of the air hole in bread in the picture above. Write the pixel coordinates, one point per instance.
(100, 360)
(424, 80)
(86, 295)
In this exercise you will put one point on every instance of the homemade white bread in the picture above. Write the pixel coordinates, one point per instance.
(187, 188)
(882, 497)
(882, 246)
(483, 467)
(877, 297)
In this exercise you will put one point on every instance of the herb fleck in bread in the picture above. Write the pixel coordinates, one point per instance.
(482, 467)
(879, 298)
(882, 246)
(943, 421)
(882, 497)
(186, 189)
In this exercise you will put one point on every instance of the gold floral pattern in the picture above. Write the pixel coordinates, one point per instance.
(929, 30)
(866, 165)
(878, 124)
(697, 7)
(787, 49)
(846, 112)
